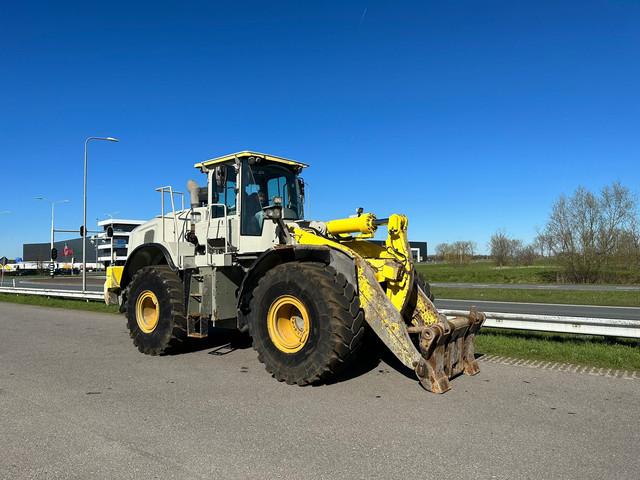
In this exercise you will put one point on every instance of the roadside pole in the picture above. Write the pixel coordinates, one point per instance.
(3, 263)
(53, 266)
(84, 209)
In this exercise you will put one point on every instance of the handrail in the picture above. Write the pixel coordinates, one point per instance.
(169, 189)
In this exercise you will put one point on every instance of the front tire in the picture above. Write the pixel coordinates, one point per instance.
(305, 322)
(155, 310)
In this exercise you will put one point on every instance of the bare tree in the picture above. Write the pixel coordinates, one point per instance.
(542, 244)
(588, 231)
(441, 250)
(505, 250)
(501, 247)
(457, 252)
(526, 255)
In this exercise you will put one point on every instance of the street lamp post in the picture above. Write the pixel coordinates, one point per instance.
(3, 212)
(53, 209)
(84, 209)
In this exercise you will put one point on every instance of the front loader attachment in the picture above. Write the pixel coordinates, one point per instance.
(448, 349)
(435, 347)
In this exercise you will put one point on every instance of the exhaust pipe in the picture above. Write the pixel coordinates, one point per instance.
(194, 193)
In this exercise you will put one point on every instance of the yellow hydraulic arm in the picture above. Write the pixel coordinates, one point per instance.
(397, 310)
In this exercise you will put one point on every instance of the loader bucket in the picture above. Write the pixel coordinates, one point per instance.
(435, 347)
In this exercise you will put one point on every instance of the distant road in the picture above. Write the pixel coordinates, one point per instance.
(547, 286)
(95, 283)
(625, 313)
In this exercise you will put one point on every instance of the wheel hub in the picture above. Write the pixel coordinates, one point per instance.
(288, 324)
(147, 311)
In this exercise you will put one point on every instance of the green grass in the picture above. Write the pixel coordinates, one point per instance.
(580, 350)
(58, 303)
(544, 271)
(574, 297)
(487, 272)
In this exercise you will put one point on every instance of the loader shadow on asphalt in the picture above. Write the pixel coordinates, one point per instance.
(222, 341)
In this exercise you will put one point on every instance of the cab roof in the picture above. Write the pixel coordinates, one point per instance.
(246, 154)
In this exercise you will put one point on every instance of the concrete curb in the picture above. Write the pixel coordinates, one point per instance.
(562, 367)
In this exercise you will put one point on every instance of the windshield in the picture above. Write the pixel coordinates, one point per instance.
(263, 182)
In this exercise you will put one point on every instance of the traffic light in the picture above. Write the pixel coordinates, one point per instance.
(54, 253)
(110, 231)
(82, 230)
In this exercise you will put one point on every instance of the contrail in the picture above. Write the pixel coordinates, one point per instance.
(364, 13)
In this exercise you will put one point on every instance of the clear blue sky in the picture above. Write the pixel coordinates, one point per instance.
(468, 116)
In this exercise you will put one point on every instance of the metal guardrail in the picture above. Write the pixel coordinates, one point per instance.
(608, 327)
(51, 292)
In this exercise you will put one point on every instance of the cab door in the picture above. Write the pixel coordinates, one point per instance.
(222, 226)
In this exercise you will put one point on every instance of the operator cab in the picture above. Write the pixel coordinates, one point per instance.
(242, 185)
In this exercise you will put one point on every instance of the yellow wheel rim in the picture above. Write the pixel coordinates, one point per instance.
(288, 324)
(147, 311)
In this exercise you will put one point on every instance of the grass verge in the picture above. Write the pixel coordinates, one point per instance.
(620, 353)
(543, 271)
(488, 272)
(574, 297)
(58, 303)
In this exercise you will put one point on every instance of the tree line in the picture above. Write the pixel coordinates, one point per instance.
(593, 236)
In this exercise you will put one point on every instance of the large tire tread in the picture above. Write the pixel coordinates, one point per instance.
(174, 338)
(345, 323)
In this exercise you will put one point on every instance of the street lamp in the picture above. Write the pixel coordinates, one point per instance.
(53, 206)
(84, 209)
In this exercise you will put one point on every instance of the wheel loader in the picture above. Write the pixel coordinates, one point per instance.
(309, 293)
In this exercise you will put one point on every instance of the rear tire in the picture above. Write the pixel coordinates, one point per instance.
(305, 322)
(155, 310)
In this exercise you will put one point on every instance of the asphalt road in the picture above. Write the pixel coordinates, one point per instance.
(545, 286)
(94, 283)
(78, 401)
(626, 313)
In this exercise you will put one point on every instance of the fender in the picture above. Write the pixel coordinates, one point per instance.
(341, 261)
(143, 256)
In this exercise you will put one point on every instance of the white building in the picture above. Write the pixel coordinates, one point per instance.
(113, 250)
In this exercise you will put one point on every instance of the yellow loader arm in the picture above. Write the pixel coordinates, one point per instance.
(394, 305)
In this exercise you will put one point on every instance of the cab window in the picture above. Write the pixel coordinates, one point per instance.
(261, 184)
(224, 191)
